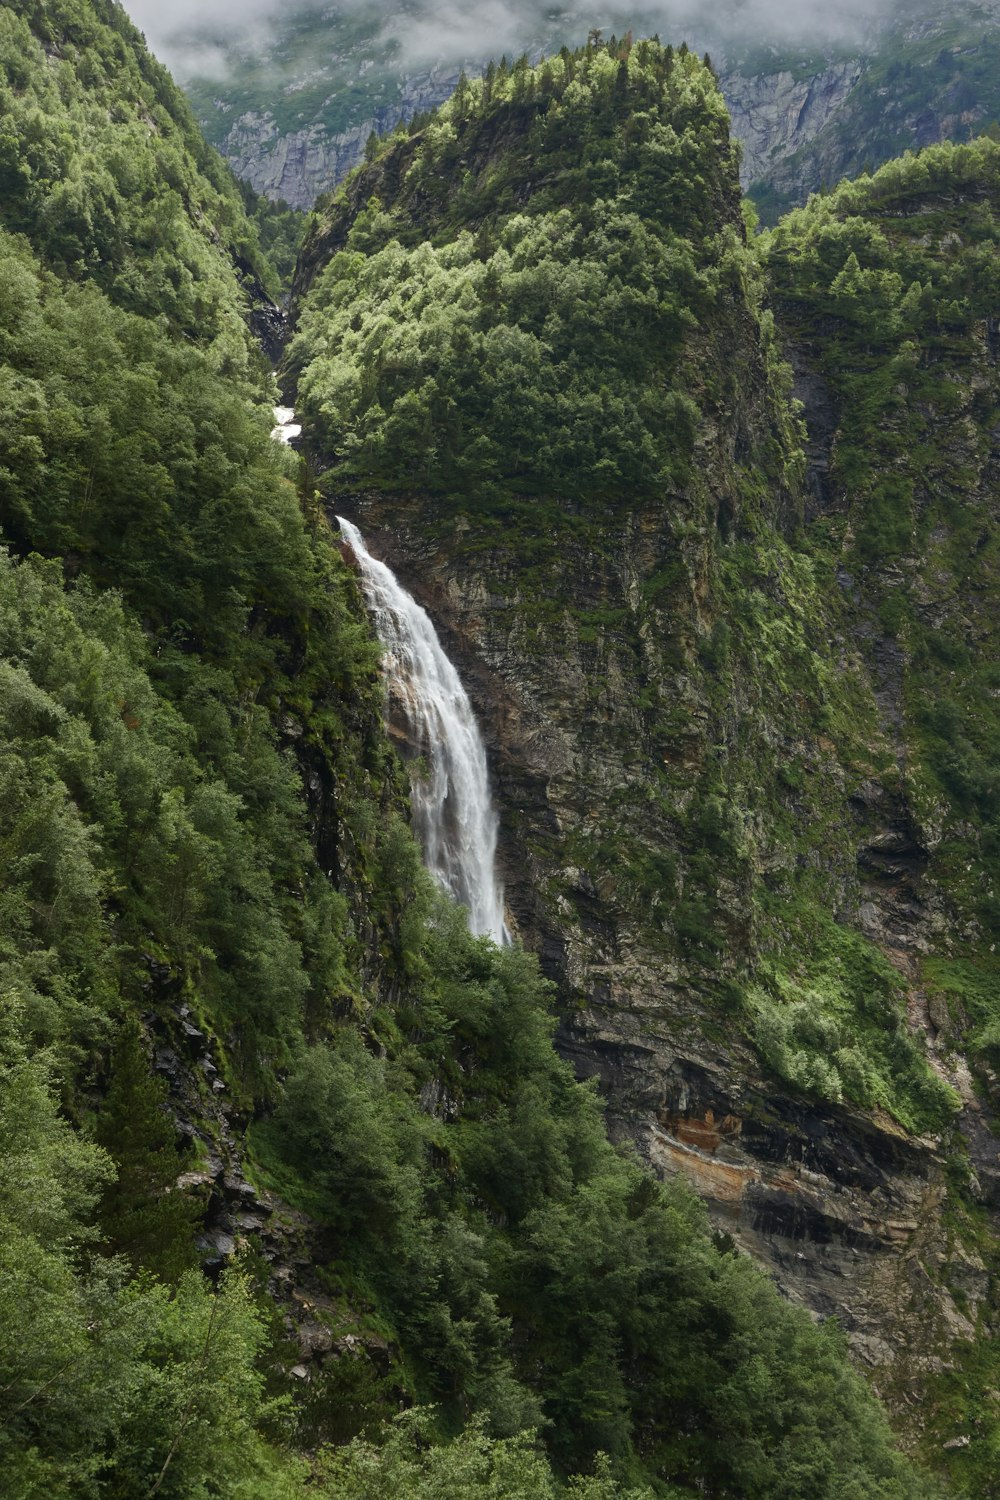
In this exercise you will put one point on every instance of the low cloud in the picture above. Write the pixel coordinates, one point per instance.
(201, 35)
(450, 30)
(165, 20)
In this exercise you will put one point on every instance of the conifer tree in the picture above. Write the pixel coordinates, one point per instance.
(143, 1214)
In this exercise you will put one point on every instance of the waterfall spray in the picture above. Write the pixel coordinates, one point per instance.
(453, 811)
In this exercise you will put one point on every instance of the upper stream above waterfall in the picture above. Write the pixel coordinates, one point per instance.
(453, 810)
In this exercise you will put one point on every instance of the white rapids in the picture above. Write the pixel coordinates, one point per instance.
(453, 810)
(287, 428)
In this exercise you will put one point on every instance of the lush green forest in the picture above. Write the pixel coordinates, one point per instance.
(223, 968)
(478, 362)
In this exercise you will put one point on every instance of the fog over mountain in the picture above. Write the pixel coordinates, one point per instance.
(196, 37)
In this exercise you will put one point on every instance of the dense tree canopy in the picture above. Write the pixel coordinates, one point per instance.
(538, 352)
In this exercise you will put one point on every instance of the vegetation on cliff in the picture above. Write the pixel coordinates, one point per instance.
(551, 341)
(890, 286)
(207, 864)
(781, 787)
(900, 272)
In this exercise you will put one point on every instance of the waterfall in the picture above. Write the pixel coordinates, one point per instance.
(453, 810)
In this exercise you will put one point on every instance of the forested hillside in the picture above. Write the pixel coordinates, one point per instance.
(297, 1196)
(888, 289)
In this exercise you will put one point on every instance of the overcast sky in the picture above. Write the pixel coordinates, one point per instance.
(187, 33)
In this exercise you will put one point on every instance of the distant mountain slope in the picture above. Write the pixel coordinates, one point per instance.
(293, 113)
(930, 80)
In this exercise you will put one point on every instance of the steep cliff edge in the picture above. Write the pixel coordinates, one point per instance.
(715, 833)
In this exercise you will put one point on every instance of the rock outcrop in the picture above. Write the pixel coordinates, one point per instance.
(775, 115)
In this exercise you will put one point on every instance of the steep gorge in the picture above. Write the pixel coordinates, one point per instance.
(296, 1196)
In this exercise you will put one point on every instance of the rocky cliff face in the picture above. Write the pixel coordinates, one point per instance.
(297, 166)
(716, 831)
(916, 522)
(842, 1206)
(926, 79)
(777, 114)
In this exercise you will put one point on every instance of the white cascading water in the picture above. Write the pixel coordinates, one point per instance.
(286, 429)
(453, 811)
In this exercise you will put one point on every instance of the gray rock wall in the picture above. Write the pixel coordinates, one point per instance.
(773, 116)
(302, 164)
(776, 114)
